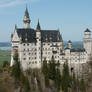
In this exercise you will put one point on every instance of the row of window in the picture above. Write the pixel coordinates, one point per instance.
(50, 44)
(34, 49)
(43, 44)
(50, 48)
(34, 62)
(47, 53)
(32, 44)
(30, 58)
(49, 57)
(30, 53)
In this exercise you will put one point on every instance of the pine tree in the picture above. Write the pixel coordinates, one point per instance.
(74, 83)
(82, 85)
(58, 79)
(18, 73)
(52, 69)
(45, 71)
(5, 64)
(16, 69)
(65, 78)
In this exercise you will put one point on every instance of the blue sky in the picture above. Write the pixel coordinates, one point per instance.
(72, 17)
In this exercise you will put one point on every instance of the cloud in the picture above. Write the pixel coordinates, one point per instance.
(9, 3)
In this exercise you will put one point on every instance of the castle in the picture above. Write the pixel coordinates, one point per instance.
(34, 45)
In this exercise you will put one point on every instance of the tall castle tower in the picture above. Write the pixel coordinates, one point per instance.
(38, 44)
(26, 19)
(87, 41)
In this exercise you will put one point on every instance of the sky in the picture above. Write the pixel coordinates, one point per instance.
(71, 17)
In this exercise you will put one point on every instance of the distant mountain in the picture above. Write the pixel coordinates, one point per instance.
(5, 44)
(75, 44)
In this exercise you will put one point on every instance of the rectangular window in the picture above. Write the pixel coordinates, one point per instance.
(24, 49)
(27, 49)
(23, 44)
(24, 58)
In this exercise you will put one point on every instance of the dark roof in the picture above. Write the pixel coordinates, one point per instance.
(29, 35)
(69, 41)
(87, 30)
(51, 35)
(77, 50)
(67, 48)
(27, 13)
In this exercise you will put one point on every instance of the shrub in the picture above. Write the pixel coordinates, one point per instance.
(5, 64)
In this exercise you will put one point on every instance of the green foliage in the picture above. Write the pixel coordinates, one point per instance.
(52, 69)
(16, 70)
(24, 80)
(16, 56)
(5, 55)
(74, 83)
(5, 64)
(18, 73)
(58, 79)
(45, 71)
(65, 78)
(82, 85)
(66, 82)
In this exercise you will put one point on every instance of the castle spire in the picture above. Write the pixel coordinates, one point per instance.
(26, 12)
(38, 26)
(26, 19)
(15, 26)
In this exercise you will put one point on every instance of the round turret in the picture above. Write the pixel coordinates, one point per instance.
(69, 44)
(87, 33)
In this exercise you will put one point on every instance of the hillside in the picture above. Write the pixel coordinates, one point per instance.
(36, 82)
(46, 79)
(5, 55)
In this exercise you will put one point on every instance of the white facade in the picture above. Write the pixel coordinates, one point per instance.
(35, 45)
(88, 41)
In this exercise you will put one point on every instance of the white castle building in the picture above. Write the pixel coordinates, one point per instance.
(34, 45)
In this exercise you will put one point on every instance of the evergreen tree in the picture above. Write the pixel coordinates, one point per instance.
(82, 85)
(18, 73)
(54, 73)
(65, 78)
(74, 83)
(5, 64)
(52, 69)
(16, 70)
(45, 71)
(58, 79)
